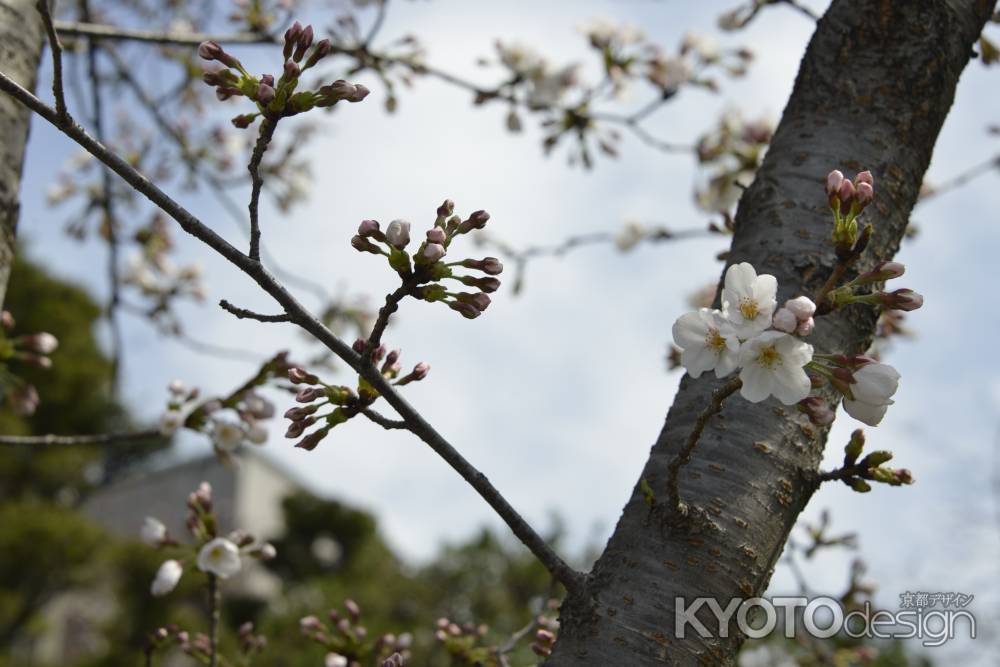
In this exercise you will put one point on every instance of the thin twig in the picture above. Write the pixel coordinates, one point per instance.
(215, 184)
(382, 420)
(243, 313)
(684, 456)
(215, 612)
(962, 178)
(108, 210)
(416, 423)
(385, 312)
(267, 127)
(57, 70)
(101, 31)
(71, 440)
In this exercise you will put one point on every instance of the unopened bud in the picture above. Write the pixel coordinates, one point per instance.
(901, 299)
(398, 234)
(818, 410)
(436, 236)
(361, 244)
(369, 228)
(265, 94)
(802, 307)
(806, 327)
(432, 252)
(833, 182)
(864, 177)
(784, 320)
(846, 193)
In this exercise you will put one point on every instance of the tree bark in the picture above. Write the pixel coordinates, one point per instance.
(21, 36)
(873, 90)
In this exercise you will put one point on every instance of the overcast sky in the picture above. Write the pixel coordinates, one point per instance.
(558, 394)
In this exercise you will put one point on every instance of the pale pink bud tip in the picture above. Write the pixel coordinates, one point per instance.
(802, 307)
(432, 252)
(785, 320)
(864, 177)
(833, 181)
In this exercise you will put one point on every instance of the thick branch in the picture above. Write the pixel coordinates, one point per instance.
(300, 316)
(873, 90)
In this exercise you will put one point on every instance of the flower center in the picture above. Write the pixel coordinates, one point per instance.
(217, 553)
(769, 358)
(714, 341)
(748, 307)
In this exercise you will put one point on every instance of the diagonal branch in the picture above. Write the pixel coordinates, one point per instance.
(298, 314)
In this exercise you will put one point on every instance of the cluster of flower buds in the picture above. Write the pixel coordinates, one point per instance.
(343, 402)
(847, 200)
(464, 643)
(856, 474)
(423, 272)
(249, 642)
(167, 635)
(548, 629)
(212, 554)
(30, 349)
(209, 417)
(901, 299)
(866, 385)
(796, 316)
(278, 98)
(347, 640)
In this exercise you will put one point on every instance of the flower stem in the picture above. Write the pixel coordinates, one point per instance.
(215, 612)
(684, 456)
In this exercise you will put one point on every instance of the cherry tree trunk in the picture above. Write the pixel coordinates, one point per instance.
(21, 37)
(873, 90)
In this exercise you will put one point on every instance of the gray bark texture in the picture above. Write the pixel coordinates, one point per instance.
(21, 36)
(873, 90)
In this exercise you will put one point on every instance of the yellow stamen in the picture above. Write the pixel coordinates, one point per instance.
(748, 307)
(714, 341)
(769, 358)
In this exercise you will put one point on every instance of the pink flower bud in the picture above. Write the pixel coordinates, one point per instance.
(491, 266)
(846, 193)
(292, 69)
(209, 50)
(265, 94)
(398, 234)
(359, 345)
(322, 50)
(467, 310)
(296, 414)
(297, 428)
(489, 285)
(292, 38)
(864, 177)
(446, 208)
(865, 194)
(818, 410)
(361, 244)
(42, 343)
(309, 394)
(784, 320)
(902, 299)
(437, 236)
(806, 327)
(368, 228)
(802, 307)
(432, 252)
(833, 181)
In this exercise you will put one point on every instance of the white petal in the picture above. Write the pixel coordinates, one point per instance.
(690, 330)
(875, 383)
(865, 412)
(792, 384)
(756, 383)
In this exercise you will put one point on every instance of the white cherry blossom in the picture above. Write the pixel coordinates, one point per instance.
(748, 300)
(153, 532)
(219, 557)
(166, 578)
(773, 366)
(707, 341)
(873, 387)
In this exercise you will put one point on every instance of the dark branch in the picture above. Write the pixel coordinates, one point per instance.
(244, 314)
(383, 421)
(566, 575)
(267, 127)
(57, 69)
